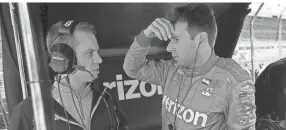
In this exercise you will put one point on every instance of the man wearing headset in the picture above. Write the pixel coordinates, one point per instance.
(201, 90)
(80, 103)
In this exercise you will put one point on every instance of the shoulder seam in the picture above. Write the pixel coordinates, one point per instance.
(232, 72)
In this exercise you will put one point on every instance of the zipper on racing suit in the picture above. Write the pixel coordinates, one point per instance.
(172, 126)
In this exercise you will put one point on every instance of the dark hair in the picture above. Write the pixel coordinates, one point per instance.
(199, 16)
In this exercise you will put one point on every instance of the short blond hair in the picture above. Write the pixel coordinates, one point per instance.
(53, 36)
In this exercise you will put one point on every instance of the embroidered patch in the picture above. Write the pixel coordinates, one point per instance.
(246, 121)
(247, 88)
(206, 81)
(244, 100)
(246, 93)
(241, 95)
(247, 108)
(208, 91)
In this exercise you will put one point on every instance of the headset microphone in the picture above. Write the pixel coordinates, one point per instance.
(82, 68)
(79, 67)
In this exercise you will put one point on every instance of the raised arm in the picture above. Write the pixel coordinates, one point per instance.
(136, 65)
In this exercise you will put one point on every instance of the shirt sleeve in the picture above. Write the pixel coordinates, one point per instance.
(241, 108)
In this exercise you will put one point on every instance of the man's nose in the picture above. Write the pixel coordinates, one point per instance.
(97, 59)
(170, 47)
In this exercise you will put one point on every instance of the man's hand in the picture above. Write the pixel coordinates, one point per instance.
(161, 28)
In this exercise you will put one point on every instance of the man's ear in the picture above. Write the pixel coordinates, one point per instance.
(203, 37)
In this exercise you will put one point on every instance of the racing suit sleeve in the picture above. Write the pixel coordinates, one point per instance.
(137, 66)
(240, 113)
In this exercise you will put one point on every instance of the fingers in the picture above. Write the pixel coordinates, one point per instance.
(162, 28)
(171, 26)
(167, 29)
(156, 31)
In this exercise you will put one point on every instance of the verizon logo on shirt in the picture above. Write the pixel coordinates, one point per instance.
(184, 113)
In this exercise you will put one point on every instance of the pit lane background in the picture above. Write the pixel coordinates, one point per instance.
(117, 25)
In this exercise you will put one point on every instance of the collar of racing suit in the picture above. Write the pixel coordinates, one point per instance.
(202, 69)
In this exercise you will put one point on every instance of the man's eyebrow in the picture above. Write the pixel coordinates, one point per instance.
(90, 49)
(87, 50)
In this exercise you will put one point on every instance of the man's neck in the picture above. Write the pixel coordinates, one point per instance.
(200, 60)
(76, 85)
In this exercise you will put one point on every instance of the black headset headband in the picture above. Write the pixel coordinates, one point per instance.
(68, 27)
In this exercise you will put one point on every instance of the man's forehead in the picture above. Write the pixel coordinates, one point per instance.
(87, 47)
(180, 28)
(86, 40)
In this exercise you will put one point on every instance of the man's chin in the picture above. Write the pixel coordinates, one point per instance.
(95, 76)
(91, 78)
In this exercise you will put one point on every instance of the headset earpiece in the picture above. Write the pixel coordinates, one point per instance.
(63, 57)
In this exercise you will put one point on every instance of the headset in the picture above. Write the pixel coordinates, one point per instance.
(63, 56)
